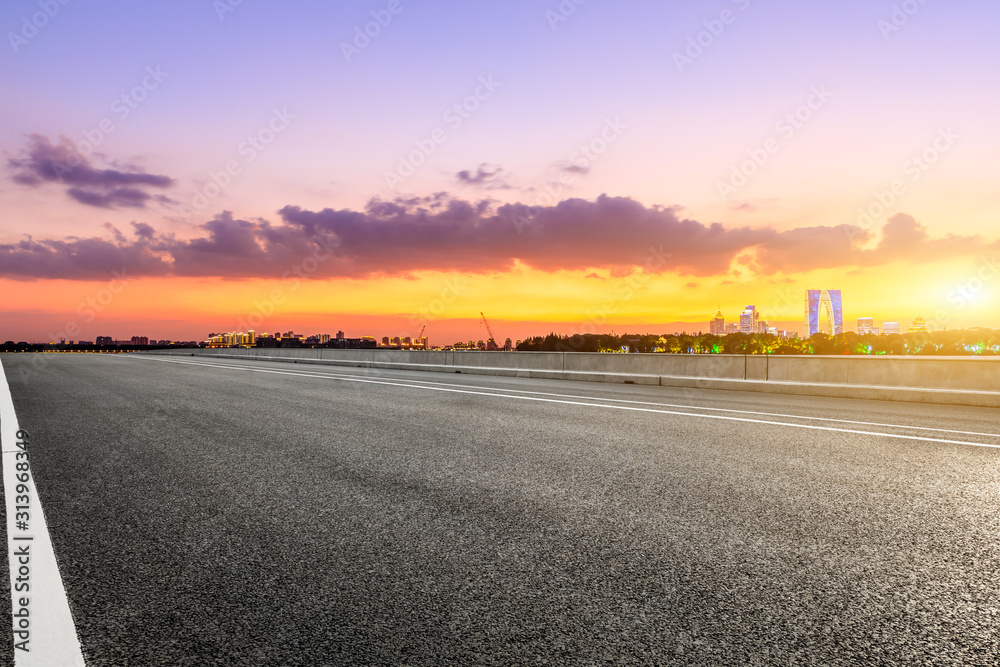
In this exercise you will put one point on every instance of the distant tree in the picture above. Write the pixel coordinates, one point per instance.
(737, 343)
(711, 344)
(967, 341)
(821, 343)
(579, 343)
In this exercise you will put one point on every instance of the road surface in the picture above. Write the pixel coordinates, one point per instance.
(246, 513)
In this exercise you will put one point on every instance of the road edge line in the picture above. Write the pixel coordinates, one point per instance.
(45, 635)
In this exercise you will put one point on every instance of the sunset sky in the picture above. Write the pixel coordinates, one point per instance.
(171, 169)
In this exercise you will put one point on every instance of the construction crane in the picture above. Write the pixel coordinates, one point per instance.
(491, 344)
(419, 338)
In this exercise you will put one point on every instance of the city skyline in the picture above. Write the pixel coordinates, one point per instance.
(560, 187)
(749, 321)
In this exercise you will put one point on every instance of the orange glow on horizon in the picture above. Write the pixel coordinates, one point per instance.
(947, 294)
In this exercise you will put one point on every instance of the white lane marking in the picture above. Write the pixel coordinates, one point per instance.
(583, 403)
(661, 405)
(44, 633)
(631, 402)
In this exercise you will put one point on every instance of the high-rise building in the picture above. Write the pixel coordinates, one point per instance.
(890, 328)
(866, 325)
(717, 327)
(324, 338)
(732, 328)
(829, 301)
(340, 334)
(749, 320)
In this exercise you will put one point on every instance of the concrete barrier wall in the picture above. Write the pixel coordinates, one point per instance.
(677, 365)
(432, 357)
(972, 373)
(971, 380)
(542, 361)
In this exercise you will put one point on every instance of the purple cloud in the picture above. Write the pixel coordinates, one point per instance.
(45, 162)
(440, 233)
(485, 176)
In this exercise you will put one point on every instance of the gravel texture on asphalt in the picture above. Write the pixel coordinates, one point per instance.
(206, 515)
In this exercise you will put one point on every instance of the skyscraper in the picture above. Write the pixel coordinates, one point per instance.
(749, 320)
(890, 328)
(866, 325)
(829, 301)
(717, 327)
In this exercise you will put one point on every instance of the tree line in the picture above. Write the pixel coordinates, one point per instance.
(977, 341)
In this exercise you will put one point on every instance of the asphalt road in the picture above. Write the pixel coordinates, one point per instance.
(240, 513)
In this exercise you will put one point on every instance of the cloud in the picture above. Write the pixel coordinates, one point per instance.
(486, 176)
(575, 169)
(573, 234)
(44, 162)
(808, 248)
(79, 259)
(903, 236)
(441, 233)
(112, 198)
